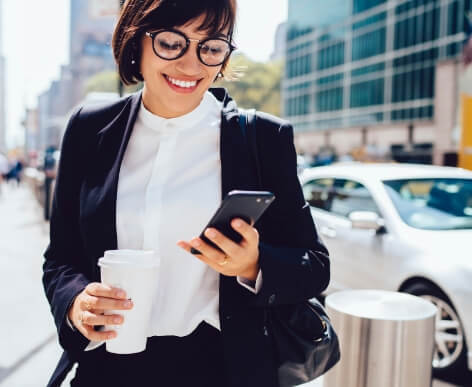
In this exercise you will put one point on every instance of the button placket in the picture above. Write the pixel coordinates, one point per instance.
(154, 191)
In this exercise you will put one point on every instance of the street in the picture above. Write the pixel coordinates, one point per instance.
(29, 349)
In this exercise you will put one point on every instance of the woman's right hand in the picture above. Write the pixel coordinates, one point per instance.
(90, 305)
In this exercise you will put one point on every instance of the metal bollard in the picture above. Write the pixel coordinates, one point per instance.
(386, 339)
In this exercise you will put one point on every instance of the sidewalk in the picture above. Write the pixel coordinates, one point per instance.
(29, 350)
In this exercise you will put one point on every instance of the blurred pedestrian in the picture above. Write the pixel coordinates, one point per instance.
(147, 172)
(3, 170)
(15, 171)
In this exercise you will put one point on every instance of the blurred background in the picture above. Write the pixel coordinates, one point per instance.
(366, 83)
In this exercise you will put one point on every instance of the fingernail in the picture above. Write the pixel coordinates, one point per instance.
(237, 223)
(116, 320)
(210, 233)
(195, 243)
(127, 304)
(121, 294)
(111, 335)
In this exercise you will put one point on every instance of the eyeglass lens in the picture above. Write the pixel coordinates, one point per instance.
(170, 45)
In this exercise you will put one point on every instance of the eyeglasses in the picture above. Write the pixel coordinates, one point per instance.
(172, 44)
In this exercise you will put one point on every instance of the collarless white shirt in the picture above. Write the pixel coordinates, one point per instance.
(169, 187)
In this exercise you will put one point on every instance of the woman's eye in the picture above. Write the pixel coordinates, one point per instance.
(170, 45)
(211, 50)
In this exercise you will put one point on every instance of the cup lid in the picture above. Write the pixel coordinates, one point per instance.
(128, 257)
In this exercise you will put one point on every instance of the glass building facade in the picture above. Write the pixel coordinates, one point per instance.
(354, 63)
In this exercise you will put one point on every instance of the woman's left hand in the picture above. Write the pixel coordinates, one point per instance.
(236, 259)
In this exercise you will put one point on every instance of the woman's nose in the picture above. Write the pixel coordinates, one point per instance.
(189, 62)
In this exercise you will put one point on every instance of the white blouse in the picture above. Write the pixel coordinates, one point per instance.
(169, 187)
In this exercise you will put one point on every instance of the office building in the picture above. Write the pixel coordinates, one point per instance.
(280, 42)
(91, 28)
(374, 72)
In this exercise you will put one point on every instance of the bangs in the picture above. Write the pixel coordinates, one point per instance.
(218, 15)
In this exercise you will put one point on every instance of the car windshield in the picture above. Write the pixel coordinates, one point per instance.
(433, 204)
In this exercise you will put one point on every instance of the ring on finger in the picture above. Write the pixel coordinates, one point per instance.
(224, 261)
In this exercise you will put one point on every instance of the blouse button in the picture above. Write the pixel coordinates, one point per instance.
(271, 299)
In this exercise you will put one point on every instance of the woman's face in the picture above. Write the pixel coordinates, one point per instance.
(163, 97)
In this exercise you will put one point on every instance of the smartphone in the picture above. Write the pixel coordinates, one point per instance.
(246, 205)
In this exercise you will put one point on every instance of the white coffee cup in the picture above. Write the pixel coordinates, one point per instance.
(136, 272)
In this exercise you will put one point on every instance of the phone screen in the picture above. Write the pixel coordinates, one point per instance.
(247, 205)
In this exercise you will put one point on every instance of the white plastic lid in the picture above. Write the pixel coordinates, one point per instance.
(381, 305)
(127, 257)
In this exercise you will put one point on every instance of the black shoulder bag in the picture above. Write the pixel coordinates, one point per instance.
(305, 342)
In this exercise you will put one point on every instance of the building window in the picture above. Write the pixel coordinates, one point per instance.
(415, 84)
(330, 56)
(367, 93)
(424, 113)
(297, 106)
(417, 57)
(417, 29)
(364, 5)
(299, 66)
(370, 20)
(329, 100)
(335, 78)
(369, 44)
(294, 32)
(368, 69)
(455, 19)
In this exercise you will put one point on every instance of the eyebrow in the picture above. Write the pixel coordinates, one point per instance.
(215, 35)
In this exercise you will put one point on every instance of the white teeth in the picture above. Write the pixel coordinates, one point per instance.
(181, 83)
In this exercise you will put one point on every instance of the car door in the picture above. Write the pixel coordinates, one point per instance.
(319, 193)
(360, 259)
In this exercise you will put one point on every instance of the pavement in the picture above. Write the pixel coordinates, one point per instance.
(29, 349)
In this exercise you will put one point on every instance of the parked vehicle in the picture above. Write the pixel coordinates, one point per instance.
(403, 228)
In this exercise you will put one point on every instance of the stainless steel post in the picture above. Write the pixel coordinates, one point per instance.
(386, 339)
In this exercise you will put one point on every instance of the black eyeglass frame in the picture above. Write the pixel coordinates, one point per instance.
(200, 44)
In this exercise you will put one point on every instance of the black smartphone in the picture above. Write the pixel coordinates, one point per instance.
(246, 205)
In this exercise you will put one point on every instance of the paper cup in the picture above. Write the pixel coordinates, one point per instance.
(136, 272)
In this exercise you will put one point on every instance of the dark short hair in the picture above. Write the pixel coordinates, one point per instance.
(139, 16)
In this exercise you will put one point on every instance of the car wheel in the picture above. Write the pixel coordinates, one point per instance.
(450, 346)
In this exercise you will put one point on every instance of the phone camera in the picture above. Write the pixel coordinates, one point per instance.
(259, 200)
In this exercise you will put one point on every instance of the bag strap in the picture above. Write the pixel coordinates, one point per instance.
(247, 123)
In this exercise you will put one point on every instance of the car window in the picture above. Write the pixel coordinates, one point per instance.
(318, 193)
(349, 196)
(433, 204)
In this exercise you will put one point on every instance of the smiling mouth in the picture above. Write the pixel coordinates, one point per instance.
(181, 84)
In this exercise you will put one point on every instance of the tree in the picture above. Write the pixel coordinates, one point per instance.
(254, 84)
(107, 81)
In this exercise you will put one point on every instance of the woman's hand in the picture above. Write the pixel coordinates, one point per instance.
(90, 305)
(236, 259)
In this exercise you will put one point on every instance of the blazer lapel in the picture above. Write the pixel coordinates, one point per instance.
(237, 169)
(101, 186)
(237, 172)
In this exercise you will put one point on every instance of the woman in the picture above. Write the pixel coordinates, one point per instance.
(147, 172)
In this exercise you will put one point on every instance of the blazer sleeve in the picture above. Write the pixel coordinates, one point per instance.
(294, 262)
(64, 267)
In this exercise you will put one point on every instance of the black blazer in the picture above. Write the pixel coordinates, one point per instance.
(293, 261)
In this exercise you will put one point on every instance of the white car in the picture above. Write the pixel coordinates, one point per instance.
(402, 227)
